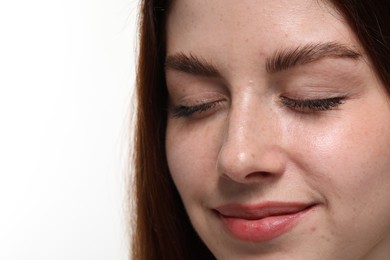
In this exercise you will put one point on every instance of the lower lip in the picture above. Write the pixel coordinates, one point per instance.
(262, 229)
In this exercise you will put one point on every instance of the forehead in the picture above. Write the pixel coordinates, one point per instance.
(242, 26)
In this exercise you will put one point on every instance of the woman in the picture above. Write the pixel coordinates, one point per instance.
(263, 130)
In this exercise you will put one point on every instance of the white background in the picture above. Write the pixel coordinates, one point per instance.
(66, 82)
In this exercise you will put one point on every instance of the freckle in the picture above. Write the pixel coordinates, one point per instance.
(313, 229)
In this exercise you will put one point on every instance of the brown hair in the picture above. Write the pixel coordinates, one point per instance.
(162, 229)
(371, 22)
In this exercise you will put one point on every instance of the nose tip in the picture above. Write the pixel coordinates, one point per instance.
(252, 149)
(247, 164)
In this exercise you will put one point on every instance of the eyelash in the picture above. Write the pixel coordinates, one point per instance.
(187, 111)
(312, 105)
(299, 105)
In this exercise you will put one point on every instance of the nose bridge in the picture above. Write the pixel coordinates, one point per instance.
(252, 140)
(246, 122)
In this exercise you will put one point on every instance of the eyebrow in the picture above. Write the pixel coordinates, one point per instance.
(288, 58)
(192, 65)
(281, 60)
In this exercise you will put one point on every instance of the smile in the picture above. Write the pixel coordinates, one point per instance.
(261, 222)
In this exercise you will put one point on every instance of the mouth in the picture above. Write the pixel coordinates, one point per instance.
(261, 222)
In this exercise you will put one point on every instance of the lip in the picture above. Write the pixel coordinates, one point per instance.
(261, 222)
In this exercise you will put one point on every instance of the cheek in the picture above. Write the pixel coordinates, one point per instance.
(348, 167)
(192, 153)
(350, 159)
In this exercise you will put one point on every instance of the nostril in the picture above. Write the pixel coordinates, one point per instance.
(259, 175)
(250, 163)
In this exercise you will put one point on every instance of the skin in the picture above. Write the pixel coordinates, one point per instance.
(252, 148)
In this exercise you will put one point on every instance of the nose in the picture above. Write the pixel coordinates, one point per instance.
(252, 149)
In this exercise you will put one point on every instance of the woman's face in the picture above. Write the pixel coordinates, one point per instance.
(278, 135)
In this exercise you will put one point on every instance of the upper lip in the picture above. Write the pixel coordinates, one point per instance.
(261, 210)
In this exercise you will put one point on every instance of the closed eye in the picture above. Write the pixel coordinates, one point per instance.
(188, 111)
(312, 105)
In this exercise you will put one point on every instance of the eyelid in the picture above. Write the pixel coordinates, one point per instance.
(192, 110)
(312, 105)
(198, 101)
